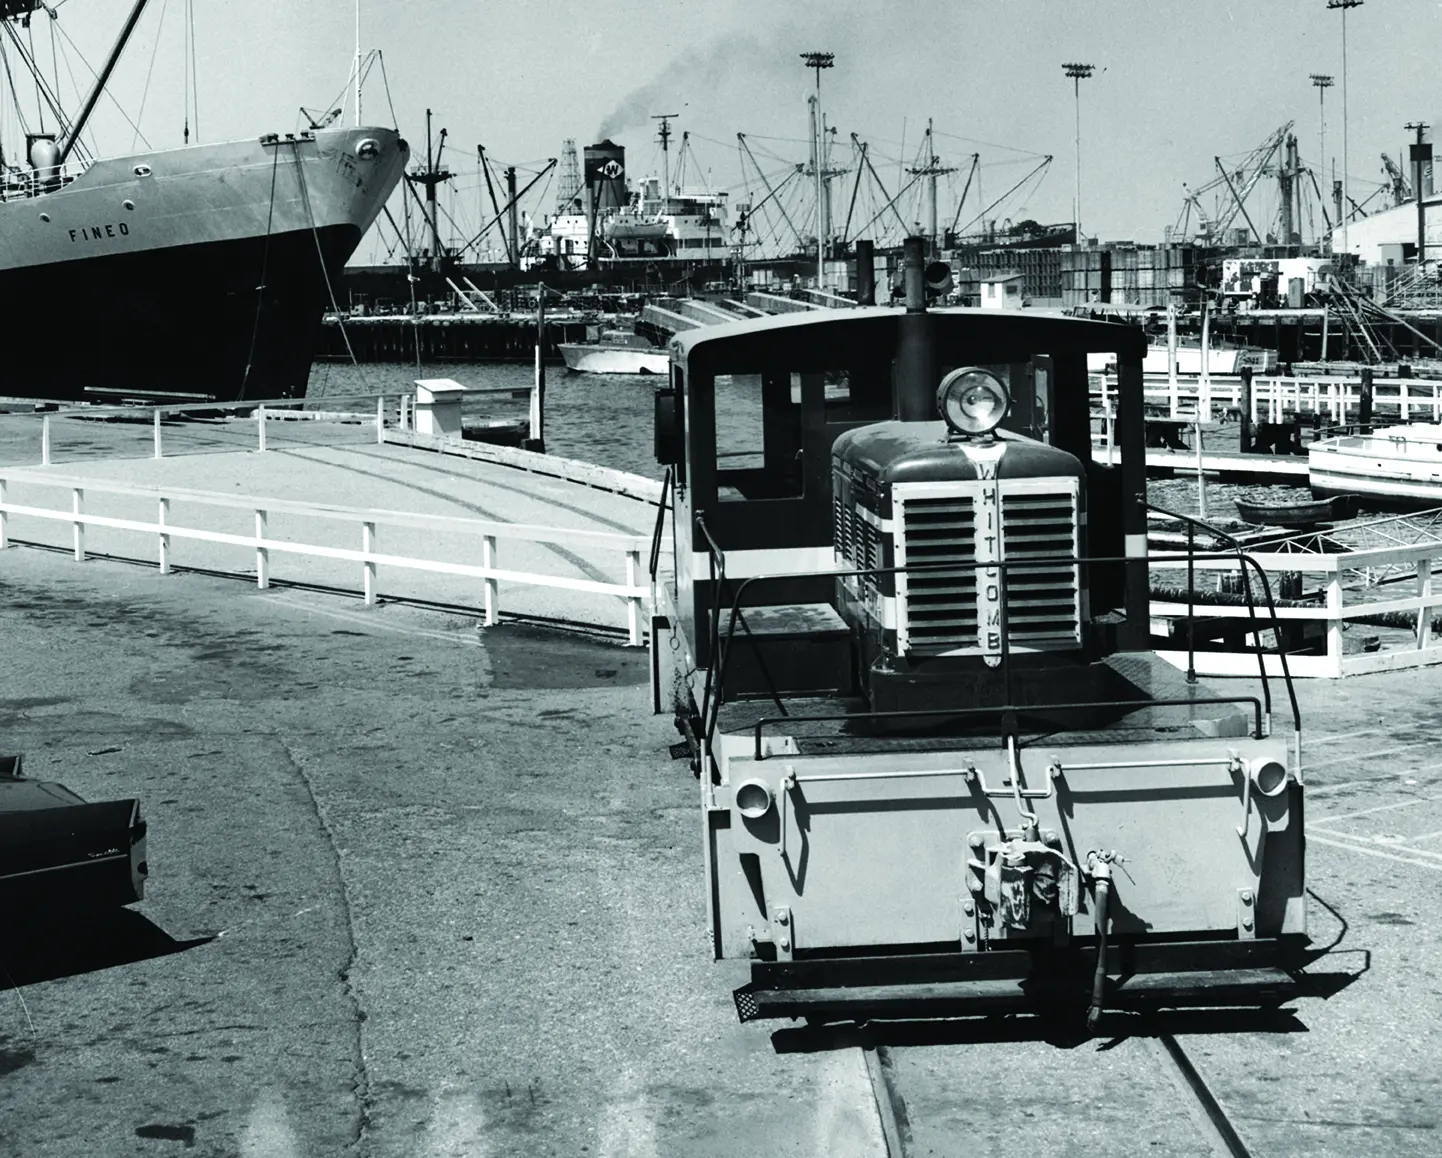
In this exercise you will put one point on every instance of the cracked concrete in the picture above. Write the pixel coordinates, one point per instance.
(417, 889)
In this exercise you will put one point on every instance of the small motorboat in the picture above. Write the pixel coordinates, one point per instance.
(1295, 514)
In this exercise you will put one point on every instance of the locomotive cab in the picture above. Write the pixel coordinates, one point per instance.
(906, 639)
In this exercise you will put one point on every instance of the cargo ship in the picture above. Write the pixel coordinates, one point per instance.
(197, 272)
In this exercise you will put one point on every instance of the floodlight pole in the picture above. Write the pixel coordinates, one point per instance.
(818, 61)
(1322, 82)
(1078, 73)
(1343, 5)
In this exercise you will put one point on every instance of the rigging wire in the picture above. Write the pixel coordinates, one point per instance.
(145, 92)
(14, 96)
(194, 73)
(109, 95)
(30, 35)
(264, 266)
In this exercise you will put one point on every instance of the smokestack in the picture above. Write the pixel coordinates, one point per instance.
(914, 372)
(606, 176)
(865, 273)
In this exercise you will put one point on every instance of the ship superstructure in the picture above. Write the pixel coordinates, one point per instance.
(610, 223)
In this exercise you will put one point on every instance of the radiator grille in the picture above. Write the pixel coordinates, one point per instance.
(937, 609)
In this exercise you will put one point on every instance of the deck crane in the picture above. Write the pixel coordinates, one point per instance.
(319, 120)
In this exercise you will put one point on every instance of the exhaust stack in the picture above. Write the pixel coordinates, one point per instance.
(914, 374)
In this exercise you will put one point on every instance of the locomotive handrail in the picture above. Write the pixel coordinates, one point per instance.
(716, 671)
(659, 530)
(711, 693)
(951, 713)
(1243, 560)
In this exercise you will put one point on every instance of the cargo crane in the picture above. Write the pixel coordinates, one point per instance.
(1401, 189)
(1229, 191)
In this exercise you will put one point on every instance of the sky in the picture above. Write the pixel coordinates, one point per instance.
(1177, 82)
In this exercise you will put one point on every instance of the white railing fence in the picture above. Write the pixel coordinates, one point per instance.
(632, 592)
(1335, 612)
(1337, 397)
(375, 411)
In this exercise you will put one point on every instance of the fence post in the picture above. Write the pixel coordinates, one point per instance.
(1111, 420)
(4, 526)
(633, 602)
(45, 441)
(368, 537)
(488, 560)
(77, 503)
(260, 427)
(262, 553)
(1424, 592)
(159, 453)
(164, 537)
(380, 419)
(1334, 623)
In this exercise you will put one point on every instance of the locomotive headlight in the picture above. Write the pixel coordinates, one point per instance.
(972, 400)
(753, 799)
(1268, 776)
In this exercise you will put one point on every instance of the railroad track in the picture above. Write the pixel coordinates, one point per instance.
(1213, 1125)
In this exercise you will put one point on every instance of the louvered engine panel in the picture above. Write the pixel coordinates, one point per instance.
(936, 525)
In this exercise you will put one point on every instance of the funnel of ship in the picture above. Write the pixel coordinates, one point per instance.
(605, 178)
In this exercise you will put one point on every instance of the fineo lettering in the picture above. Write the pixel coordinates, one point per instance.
(100, 232)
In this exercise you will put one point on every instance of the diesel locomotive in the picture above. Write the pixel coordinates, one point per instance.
(906, 641)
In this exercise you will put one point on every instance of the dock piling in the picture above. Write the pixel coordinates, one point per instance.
(1247, 404)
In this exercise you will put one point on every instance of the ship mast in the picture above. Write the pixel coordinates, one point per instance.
(665, 137)
(100, 81)
(430, 177)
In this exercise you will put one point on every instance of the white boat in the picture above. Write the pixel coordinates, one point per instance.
(1398, 464)
(616, 352)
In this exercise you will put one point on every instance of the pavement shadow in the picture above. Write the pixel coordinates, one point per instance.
(1063, 1031)
(45, 948)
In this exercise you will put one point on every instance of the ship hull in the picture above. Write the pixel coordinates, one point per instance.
(201, 271)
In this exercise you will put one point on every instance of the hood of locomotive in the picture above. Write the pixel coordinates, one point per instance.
(914, 452)
(937, 510)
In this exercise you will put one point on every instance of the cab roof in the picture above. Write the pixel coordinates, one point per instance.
(976, 334)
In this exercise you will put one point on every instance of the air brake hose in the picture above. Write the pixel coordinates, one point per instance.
(1101, 872)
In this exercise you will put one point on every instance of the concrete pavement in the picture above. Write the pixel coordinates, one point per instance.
(417, 890)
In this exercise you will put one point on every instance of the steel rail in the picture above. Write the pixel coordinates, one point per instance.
(1207, 1112)
(1221, 1135)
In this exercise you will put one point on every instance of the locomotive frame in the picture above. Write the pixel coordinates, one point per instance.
(941, 769)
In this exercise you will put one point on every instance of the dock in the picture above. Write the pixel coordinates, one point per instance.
(421, 886)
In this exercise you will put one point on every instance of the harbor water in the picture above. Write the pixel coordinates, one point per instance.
(606, 419)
